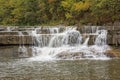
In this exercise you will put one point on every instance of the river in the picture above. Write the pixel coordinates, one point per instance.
(85, 69)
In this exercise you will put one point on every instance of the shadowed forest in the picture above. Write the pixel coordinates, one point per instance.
(54, 12)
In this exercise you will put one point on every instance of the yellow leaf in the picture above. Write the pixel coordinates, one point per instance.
(68, 15)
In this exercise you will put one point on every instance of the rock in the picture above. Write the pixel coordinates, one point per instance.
(9, 33)
(2, 29)
(113, 37)
(70, 55)
(113, 53)
(15, 40)
(92, 38)
(13, 52)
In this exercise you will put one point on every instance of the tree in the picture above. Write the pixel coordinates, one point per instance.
(76, 9)
(106, 11)
(69, 12)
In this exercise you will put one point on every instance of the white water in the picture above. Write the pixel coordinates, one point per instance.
(68, 45)
(86, 42)
(101, 38)
(8, 29)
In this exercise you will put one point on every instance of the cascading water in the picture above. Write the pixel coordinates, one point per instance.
(101, 42)
(8, 29)
(101, 38)
(86, 42)
(67, 45)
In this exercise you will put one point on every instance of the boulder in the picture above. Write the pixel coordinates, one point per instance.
(113, 53)
(69, 55)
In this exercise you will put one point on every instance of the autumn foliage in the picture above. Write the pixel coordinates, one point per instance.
(68, 12)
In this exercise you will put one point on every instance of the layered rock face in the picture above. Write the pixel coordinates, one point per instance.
(12, 51)
(13, 37)
(19, 41)
(113, 36)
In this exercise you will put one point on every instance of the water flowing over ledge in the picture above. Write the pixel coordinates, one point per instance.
(59, 43)
(68, 45)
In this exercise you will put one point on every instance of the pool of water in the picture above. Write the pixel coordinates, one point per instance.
(25, 69)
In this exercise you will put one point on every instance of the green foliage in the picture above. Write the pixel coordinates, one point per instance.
(53, 12)
(106, 10)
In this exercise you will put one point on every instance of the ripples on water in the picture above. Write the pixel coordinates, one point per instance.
(23, 69)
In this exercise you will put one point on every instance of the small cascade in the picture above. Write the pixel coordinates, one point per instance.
(22, 50)
(8, 29)
(101, 38)
(39, 40)
(72, 38)
(56, 40)
(67, 44)
(86, 42)
(101, 42)
(67, 38)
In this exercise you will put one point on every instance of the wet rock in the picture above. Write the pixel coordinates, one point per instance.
(2, 29)
(9, 33)
(24, 52)
(113, 53)
(113, 37)
(92, 38)
(70, 55)
(13, 52)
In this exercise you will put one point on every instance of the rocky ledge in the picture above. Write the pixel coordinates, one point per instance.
(114, 52)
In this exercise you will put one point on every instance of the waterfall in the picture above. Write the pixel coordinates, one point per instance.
(56, 40)
(8, 29)
(67, 44)
(67, 38)
(86, 41)
(101, 38)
